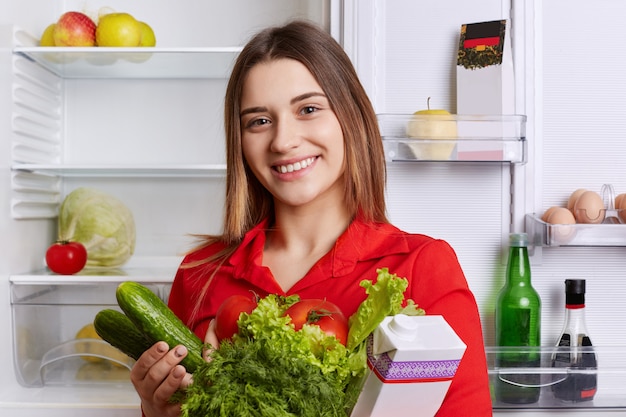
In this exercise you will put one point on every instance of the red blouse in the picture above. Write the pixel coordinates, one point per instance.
(436, 283)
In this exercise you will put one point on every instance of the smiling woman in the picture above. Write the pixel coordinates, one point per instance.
(305, 214)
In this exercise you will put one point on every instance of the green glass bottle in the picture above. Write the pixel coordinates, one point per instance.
(518, 324)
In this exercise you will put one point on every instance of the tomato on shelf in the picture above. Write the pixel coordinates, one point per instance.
(66, 258)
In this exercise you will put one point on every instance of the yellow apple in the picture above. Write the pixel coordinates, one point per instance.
(118, 29)
(147, 35)
(432, 125)
(47, 38)
(148, 39)
(96, 350)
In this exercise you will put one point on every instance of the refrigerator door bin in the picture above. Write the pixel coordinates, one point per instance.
(53, 341)
(546, 234)
(458, 138)
(558, 385)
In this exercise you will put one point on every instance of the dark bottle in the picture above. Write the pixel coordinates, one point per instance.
(574, 350)
(518, 324)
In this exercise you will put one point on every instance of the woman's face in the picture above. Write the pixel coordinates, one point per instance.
(291, 138)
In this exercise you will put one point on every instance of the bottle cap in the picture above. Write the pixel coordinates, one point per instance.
(574, 286)
(403, 326)
(518, 239)
(575, 291)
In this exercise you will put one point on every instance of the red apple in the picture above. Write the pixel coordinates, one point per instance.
(75, 29)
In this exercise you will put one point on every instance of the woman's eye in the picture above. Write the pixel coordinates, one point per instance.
(309, 109)
(257, 122)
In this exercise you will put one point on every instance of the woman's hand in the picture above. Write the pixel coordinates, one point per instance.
(156, 376)
(210, 339)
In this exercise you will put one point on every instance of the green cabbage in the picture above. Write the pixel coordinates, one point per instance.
(102, 223)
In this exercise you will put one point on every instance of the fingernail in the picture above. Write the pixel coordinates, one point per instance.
(178, 372)
(162, 347)
(180, 351)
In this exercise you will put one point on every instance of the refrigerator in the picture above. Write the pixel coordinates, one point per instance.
(146, 126)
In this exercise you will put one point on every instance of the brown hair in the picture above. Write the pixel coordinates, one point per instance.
(247, 201)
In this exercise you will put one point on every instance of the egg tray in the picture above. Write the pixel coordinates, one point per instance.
(612, 232)
(606, 228)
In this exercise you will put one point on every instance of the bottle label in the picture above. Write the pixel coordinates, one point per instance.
(575, 386)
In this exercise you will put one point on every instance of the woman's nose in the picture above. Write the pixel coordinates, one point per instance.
(286, 135)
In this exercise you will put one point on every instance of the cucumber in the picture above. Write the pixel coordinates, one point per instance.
(117, 329)
(154, 318)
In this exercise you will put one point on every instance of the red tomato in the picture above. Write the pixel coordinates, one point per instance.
(228, 313)
(322, 313)
(66, 258)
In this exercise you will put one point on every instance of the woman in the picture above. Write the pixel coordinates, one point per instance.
(305, 213)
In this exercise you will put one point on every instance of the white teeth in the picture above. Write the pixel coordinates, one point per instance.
(295, 167)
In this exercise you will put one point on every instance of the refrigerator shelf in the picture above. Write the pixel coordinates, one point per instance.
(133, 63)
(132, 171)
(454, 138)
(145, 269)
(541, 233)
(609, 375)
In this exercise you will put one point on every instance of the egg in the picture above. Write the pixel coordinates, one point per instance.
(589, 208)
(620, 206)
(547, 213)
(563, 229)
(571, 202)
(560, 215)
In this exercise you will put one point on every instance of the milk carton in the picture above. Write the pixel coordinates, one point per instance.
(412, 361)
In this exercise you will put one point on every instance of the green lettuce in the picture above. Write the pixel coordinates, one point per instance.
(384, 298)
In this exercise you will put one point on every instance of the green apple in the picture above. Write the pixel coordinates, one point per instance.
(429, 126)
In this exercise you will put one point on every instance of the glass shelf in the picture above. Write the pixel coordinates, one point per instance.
(143, 63)
(555, 383)
(134, 171)
(152, 269)
(541, 233)
(454, 138)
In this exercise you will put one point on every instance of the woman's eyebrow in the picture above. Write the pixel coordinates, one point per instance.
(296, 99)
(249, 110)
(307, 95)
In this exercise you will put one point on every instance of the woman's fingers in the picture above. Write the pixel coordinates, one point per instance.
(147, 360)
(210, 339)
(157, 374)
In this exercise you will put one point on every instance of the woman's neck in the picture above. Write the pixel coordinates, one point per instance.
(310, 228)
(300, 237)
